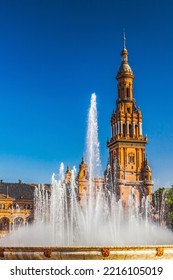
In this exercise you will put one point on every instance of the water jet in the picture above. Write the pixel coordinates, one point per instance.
(98, 227)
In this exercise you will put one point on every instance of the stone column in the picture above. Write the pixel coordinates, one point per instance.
(140, 128)
(113, 132)
(121, 131)
(134, 128)
(127, 127)
(118, 127)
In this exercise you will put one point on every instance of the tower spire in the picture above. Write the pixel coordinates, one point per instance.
(124, 40)
(124, 71)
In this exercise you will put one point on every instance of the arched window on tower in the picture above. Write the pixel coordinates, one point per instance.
(128, 92)
(128, 110)
(131, 158)
(124, 130)
(130, 130)
(136, 131)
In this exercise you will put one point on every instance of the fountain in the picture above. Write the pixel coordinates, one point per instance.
(100, 228)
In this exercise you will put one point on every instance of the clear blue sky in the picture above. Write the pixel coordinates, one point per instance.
(54, 55)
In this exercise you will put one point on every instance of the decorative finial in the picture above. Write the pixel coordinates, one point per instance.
(145, 158)
(68, 168)
(124, 40)
(82, 158)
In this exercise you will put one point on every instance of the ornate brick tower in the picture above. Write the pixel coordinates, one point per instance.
(83, 177)
(84, 184)
(130, 169)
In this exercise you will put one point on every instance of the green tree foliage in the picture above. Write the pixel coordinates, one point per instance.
(163, 206)
(169, 203)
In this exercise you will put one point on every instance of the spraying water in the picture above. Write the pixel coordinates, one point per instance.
(101, 221)
(93, 152)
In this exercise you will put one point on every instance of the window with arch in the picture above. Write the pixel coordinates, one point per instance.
(128, 92)
(136, 130)
(130, 130)
(131, 158)
(128, 110)
(4, 224)
(30, 220)
(124, 130)
(18, 222)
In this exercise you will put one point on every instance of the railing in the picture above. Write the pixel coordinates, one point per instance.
(15, 211)
(127, 138)
(149, 252)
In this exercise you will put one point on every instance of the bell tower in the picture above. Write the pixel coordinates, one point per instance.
(129, 166)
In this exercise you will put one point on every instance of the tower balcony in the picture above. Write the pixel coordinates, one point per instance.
(134, 183)
(126, 99)
(148, 182)
(126, 139)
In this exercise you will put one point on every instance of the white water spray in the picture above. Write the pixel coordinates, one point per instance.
(93, 152)
(102, 221)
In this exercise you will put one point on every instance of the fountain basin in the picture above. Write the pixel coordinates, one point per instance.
(164, 252)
